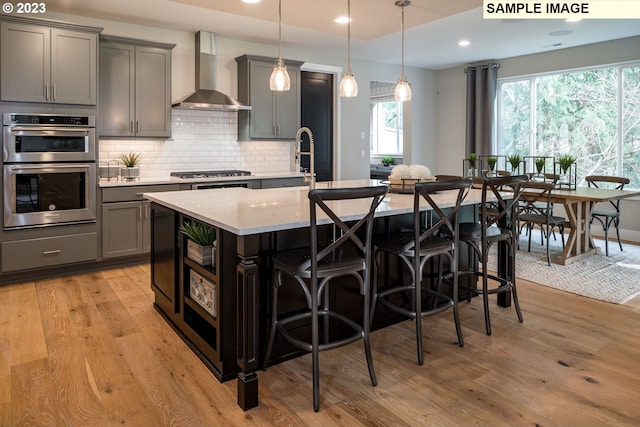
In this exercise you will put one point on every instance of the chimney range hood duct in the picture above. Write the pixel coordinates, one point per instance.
(206, 97)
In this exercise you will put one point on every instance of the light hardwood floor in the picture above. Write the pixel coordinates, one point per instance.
(90, 349)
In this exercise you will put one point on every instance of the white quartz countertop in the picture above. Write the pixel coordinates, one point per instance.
(175, 180)
(243, 211)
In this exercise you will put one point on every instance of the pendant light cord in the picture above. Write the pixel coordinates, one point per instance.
(349, 35)
(279, 29)
(402, 30)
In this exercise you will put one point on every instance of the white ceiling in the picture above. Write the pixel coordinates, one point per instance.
(433, 27)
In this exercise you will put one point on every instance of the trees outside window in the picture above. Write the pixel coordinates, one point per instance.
(592, 114)
(386, 128)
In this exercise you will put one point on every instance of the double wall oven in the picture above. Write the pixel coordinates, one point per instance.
(49, 169)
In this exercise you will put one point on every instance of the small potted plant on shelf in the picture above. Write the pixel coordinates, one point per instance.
(514, 160)
(130, 169)
(201, 242)
(386, 161)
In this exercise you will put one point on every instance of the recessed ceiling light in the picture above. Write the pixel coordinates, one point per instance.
(573, 20)
(464, 43)
(341, 20)
(251, 1)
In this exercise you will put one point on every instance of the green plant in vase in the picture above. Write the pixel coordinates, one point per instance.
(514, 161)
(473, 158)
(491, 162)
(565, 161)
(540, 162)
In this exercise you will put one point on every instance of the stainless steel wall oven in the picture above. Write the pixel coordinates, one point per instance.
(49, 169)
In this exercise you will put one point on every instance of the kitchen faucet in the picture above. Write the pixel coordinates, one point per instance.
(312, 178)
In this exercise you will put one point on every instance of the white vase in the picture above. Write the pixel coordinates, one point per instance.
(130, 173)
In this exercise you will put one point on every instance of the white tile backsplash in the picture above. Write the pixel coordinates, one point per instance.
(202, 140)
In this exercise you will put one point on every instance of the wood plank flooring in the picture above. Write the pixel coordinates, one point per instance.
(90, 350)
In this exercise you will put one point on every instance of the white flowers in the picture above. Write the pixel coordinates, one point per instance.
(410, 172)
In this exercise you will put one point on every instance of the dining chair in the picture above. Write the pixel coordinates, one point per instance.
(346, 252)
(437, 239)
(536, 209)
(497, 223)
(606, 217)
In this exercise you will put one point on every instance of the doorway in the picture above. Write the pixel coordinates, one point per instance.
(317, 114)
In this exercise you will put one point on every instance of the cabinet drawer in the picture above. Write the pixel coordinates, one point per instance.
(49, 251)
(125, 194)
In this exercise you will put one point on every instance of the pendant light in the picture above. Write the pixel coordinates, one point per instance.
(279, 80)
(403, 90)
(348, 85)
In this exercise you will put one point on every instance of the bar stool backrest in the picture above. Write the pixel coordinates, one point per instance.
(319, 198)
(503, 211)
(617, 182)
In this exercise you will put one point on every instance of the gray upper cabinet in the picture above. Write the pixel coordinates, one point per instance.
(135, 88)
(50, 65)
(273, 115)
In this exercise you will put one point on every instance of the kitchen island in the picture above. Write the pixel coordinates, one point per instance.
(251, 225)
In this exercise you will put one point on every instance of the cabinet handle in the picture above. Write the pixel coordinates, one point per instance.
(131, 126)
(54, 252)
(137, 126)
(46, 91)
(140, 212)
(146, 211)
(54, 91)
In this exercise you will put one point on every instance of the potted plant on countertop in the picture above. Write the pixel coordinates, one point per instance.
(201, 242)
(386, 161)
(130, 169)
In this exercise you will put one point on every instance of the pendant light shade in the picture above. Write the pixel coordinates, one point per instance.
(403, 89)
(279, 80)
(348, 85)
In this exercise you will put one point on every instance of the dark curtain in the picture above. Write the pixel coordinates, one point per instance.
(481, 98)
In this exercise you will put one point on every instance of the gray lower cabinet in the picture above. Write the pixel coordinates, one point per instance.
(48, 65)
(125, 229)
(49, 251)
(126, 220)
(273, 115)
(135, 88)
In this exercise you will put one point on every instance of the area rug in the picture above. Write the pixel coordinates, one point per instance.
(614, 278)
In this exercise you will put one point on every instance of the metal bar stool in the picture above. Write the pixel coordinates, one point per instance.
(498, 223)
(314, 268)
(438, 240)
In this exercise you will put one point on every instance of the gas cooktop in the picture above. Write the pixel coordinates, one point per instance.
(210, 174)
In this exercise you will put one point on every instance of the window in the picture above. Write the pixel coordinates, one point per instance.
(386, 121)
(592, 114)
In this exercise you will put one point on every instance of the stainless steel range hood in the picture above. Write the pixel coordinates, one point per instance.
(206, 97)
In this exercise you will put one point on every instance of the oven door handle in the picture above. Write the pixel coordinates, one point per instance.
(50, 166)
(46, 131)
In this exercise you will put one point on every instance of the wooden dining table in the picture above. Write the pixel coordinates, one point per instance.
(578, 204)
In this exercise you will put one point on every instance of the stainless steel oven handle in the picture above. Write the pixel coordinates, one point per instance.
(48, 166)
(48, 131)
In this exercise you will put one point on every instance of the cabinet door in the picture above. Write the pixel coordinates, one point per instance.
(25, 62)
(153, 92)
(122, 225)
(288, 108)
(73, 67)
(117, 92)
(262, 114)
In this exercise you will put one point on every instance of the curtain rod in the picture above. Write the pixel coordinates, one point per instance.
(481, 66)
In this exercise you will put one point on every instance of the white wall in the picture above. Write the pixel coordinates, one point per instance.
(451, 99)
